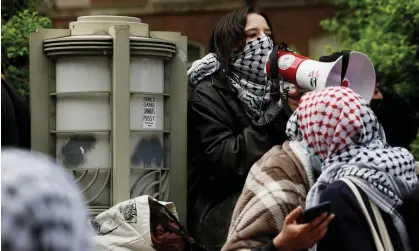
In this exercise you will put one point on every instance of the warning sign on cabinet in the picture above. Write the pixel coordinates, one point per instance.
(149, 113)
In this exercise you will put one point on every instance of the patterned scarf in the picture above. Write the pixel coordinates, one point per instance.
(338, 127)
(42, 208)
(247, 77)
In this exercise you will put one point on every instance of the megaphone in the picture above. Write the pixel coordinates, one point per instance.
(308, 74)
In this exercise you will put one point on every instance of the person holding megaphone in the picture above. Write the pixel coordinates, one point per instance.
(238, 109)
(234, 117)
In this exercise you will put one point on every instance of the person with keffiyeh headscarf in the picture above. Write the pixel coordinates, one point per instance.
(333, 134)
(41, 207)
(345, 139)
(234, 117)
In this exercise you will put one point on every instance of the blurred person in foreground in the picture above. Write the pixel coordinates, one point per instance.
(234, 117)
(41, 207)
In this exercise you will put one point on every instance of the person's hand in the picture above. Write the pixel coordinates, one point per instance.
(301, 236)
(293, 98)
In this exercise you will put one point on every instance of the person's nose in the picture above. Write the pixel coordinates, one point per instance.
(261, 34)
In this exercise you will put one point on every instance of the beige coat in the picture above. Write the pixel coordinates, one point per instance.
(275, 185)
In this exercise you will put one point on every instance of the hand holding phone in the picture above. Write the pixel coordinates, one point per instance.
(296, 236)
(312, 213)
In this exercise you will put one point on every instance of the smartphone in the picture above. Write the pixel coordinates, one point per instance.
(312, 213)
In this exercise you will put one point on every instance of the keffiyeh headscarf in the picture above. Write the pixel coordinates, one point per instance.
(337, 126)
(41, 207)
(248, 76)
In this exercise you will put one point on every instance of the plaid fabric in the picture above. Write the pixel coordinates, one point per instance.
(276, 184)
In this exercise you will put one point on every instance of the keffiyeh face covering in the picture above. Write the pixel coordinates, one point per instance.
(248, 76)
(338, 126)
(41, 207)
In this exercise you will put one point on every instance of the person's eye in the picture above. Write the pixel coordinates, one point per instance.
(251, 35)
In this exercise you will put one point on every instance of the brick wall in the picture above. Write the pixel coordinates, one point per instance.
(294, 25)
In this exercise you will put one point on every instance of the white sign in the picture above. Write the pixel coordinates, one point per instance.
(285, 61)
(149, 112)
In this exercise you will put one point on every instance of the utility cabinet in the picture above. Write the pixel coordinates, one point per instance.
(108, 100)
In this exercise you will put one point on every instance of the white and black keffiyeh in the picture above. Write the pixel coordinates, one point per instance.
(248, 75)
(338, 127)
(41, 207)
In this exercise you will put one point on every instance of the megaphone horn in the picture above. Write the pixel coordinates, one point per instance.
(353, 69)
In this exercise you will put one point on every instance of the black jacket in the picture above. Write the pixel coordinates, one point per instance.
(398, 119)
(15, 119)
(411, 217)
(349, 230)
(223, 144)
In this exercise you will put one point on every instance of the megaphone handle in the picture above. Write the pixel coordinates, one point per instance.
(277, 79)
(345, 63)
(284, 98)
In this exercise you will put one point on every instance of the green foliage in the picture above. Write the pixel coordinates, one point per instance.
(388, 32)
(15, 44)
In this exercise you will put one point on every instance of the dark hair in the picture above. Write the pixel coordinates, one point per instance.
(229, 33)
